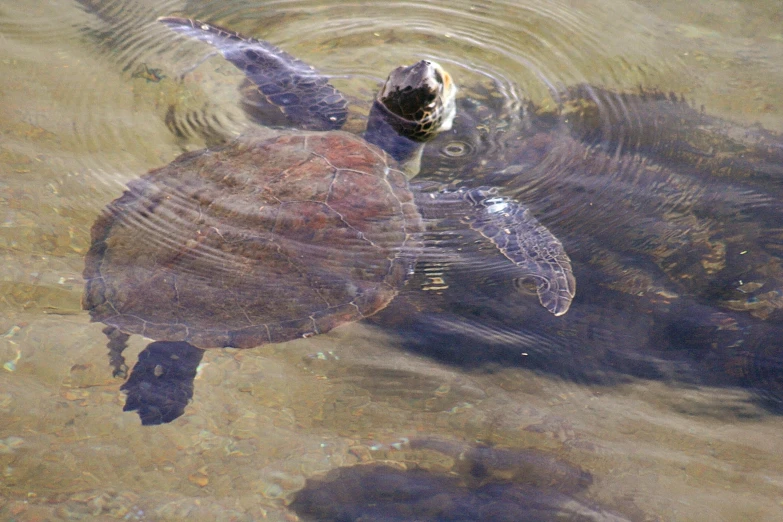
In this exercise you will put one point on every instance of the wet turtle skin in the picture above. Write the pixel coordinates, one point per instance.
(255, 242)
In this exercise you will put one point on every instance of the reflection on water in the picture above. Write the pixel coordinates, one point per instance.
(664, 381)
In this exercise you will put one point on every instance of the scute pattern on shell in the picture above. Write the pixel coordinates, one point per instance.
(257, 241)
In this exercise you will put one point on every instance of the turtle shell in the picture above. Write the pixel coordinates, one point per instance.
(259, 241)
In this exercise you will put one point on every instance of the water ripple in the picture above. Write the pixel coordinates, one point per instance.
(550, 111)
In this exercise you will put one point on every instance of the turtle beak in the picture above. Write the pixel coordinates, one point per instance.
(447, 87)
(448, 93)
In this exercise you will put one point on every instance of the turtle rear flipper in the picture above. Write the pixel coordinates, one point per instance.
(161, 383)
(292, 89)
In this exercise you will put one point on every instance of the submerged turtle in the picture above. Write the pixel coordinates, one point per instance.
(673, 220)
(269, 239)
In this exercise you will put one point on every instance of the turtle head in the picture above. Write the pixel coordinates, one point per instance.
(420, 100)
(415, 104)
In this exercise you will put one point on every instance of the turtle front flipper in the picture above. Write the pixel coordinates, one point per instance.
(286, 91)
(536, 252)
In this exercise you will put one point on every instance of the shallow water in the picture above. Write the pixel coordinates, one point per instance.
(663, 382)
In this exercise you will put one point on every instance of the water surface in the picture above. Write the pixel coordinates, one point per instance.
(663, 383)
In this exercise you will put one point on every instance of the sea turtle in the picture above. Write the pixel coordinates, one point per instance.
(269, 239)
(673, 220)
(635, 176)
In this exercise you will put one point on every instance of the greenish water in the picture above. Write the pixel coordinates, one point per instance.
(95, 94)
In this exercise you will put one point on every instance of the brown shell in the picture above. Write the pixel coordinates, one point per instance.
(255, 242)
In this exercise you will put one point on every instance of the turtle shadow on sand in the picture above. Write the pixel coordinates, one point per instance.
(265, 240)
(483, 483)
